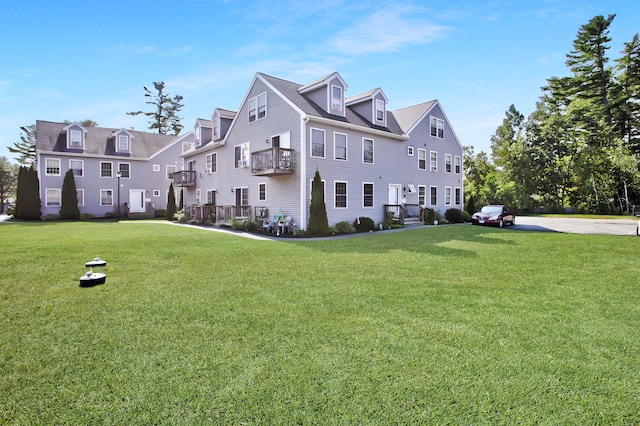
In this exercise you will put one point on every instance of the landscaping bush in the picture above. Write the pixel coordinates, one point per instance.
(453, 215)
(87, 216)
(345, 227)
(364, 224)
(428, 216)
(160, 213)
(50, 216)
(466, 216)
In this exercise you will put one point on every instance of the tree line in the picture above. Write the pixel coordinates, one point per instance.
(580, 148)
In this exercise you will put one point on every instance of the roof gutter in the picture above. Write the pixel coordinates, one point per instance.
(355, 127)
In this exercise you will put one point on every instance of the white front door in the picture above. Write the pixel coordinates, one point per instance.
(394, 199)
(136, 201)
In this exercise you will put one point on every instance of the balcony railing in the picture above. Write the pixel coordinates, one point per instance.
(184, 178)
(272, 161)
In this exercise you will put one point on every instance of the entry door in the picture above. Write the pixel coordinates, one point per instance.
(136, 201)
(394, 198)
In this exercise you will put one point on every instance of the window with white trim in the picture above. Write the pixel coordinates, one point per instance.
(123, 143)
(340, 194)
(76, 139)
(447, 195)
(339, 146)
(434, 195)
(458, 194)
(258, 107)
(317, 143)
(53, 197)
(198, 195)
(241, 158)
(380, 109)
(410, 151)
(437, 127)
(447, 163)
(262, 191)
(106, 169)
(80, 196)
(52, 167)
(156, 192)
(125, 170)
(106, 197)
(336, 98)
(77, 166)
(422, 159)
(367, 194)
(457, 164)
(212, 163)
(422, 195)
(433, 161)
(156, 167)
(171, 169)
(367, 150)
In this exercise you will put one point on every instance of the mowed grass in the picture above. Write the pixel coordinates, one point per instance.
(440, 325)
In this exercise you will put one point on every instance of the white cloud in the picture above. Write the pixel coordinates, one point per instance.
(387, 30)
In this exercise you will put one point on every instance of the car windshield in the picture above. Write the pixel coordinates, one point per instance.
(491, 209)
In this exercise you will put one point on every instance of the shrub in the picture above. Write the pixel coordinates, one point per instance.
(345, 228)
(466, 216)
(50, 217)
(160, 213)
(364, 224)
(299, 233)
(180, 216)
(439, 218)
(87, 216)
(171, 203)
(428, 216)
(69, 208)
(318, 223)
(453, 215)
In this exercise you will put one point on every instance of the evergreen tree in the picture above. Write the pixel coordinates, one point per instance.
(171, 202)
(26, 147)
(318, 222)
(28, 205)
(69, 208)
(8, 179)
(181, 204)
(165, 117)
(628, 105)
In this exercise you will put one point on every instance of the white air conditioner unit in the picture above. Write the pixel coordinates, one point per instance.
(242, 163)
(434, 169)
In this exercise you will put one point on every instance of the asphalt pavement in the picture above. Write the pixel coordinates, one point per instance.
(572, 225)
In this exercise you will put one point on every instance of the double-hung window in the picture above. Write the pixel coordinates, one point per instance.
(367, 194)
(433, 161)
(211, 197)
(447, 163)
(53, 197)
(258, 107)
(434, 195)
(336, 98)
(317, 143)
(52, 167)
(106, 169)
(380, 110)
(262, 191)
(341, 194)
(123, 143)
(75, 139)
(80, 195)
(422, 195)
(340, 146)
(125, 170)
(106, 197)
(457, 164)
(447, 195)
(437, 127)
(422, 159)
(171, 169)
(367, 150)
(77, 166)
(458, 196)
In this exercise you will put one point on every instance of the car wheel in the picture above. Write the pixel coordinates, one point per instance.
(513, 221)
(501, 223)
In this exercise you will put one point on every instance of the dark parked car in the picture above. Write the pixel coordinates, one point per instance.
(494, 215)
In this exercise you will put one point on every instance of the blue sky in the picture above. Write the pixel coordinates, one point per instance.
(76, 60)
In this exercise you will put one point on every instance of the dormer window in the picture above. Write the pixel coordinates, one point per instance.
(380, 110)
(123, 143)
(336, 98)
(75, 136)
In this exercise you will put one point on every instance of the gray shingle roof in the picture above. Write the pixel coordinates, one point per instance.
(98, 141)
(290, 90)
(407, 117)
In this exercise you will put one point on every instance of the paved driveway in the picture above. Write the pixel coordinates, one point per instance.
(622, 226)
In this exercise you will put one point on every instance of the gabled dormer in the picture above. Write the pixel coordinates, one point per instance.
(75, 136)
(328, 93)
(221, 119)
(202, 130)
(122, 140)
(372, 105)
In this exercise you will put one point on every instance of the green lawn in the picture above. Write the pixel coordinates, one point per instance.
(440, 325)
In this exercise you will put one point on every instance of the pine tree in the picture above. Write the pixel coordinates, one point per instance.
(318, 222)
(26, 147)
(165, 117)
(171, 203)
(69, 208)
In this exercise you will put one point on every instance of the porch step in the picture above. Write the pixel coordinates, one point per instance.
(412, 221)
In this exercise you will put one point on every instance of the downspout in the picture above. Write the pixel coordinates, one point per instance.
(303, 172)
